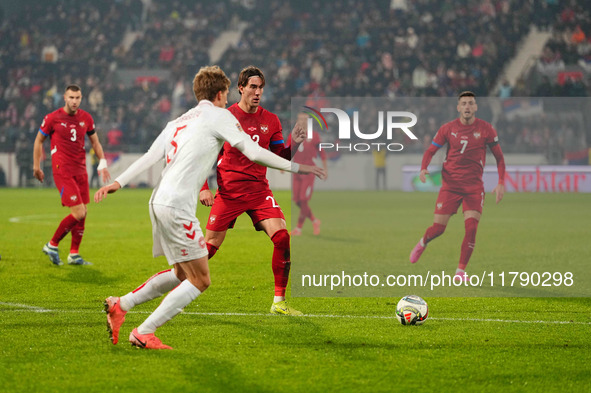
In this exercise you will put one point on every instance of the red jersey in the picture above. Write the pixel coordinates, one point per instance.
(236, 174)
(308, 150)
(67, 134)
(466, 154)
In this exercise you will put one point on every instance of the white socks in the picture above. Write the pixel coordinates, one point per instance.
(156, 286)
(172, 305)
(278, 299)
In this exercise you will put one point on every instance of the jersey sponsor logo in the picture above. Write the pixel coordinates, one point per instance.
(63, 124)
(454, 134)
(264, 128)
(252, 129)
(184, 252)
(476, 134)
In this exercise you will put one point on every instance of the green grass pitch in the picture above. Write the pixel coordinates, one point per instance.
(53, 336)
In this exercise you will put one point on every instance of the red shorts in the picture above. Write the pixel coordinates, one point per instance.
(448, 202)
(303, 187)
(73, 189)
(259, 206)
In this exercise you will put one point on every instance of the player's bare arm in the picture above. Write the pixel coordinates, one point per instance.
(37, 153)
(98, 149)
(103, 191)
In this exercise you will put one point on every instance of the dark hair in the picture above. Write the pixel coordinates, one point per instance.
(208, 82)
(466, 94)
(247, 73)
(73, 88)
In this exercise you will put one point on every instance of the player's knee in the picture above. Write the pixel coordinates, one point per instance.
(201, 281)
(79, 212)
(281, 239)
(438, 229)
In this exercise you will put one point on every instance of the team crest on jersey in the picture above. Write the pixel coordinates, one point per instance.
(476, 134)
(264, 128)
(81, 124)
(212, 219)
(74, 198)
(439, 205)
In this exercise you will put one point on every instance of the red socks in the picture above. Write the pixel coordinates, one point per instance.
(281, 261)
(432, 232)
(471, 225)
(65, 226)
(211, 250)
(77, 233)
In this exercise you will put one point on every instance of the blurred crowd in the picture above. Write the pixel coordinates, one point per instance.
(307, 48)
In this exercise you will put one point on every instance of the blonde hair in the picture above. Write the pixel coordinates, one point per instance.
(208, 82)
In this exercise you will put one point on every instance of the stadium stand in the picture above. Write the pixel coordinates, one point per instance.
(307, 48)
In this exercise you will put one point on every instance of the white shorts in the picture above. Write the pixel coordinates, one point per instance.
(176, 234)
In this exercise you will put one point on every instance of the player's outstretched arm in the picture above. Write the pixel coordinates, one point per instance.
(103, 191)
(37, 153)
(264, 157)
(319, 172)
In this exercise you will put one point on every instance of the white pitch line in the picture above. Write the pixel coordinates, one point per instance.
(25, 307)
(31, 218)
(237, 314)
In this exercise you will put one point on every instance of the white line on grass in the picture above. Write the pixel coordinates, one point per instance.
(24, 307)
(31, 218)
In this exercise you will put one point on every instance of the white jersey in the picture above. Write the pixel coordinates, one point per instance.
(190, 145)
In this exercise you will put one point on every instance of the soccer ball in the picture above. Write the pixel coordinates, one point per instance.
(412, 310)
